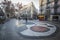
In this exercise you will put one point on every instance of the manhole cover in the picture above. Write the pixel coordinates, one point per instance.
(39, 29)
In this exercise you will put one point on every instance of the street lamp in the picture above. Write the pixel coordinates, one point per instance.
(26, 17)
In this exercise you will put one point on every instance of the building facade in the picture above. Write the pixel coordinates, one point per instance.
(28, 11)
(50, 8)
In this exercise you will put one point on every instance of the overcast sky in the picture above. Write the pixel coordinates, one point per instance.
(24, 2)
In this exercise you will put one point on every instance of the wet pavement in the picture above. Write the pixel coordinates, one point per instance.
(8, 31)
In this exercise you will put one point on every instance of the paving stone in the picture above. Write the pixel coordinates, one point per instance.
(9, 32)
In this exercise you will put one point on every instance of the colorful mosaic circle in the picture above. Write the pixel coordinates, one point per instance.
(39, 29)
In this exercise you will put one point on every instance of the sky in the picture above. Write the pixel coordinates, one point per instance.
(24, 2)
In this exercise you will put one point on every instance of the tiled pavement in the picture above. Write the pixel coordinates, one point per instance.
(9, 32)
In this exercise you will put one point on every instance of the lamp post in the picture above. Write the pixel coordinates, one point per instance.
(55, 6)
(26, 17)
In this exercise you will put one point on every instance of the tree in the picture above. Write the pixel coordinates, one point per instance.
(9, 8)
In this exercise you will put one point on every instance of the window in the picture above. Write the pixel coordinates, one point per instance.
(43, 12)
(51, 0)
(44, 7)
(59, 2)
(51, 5)
(58, 10)
(52, 11)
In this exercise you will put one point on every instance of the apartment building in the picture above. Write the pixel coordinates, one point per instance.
(50, 9)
